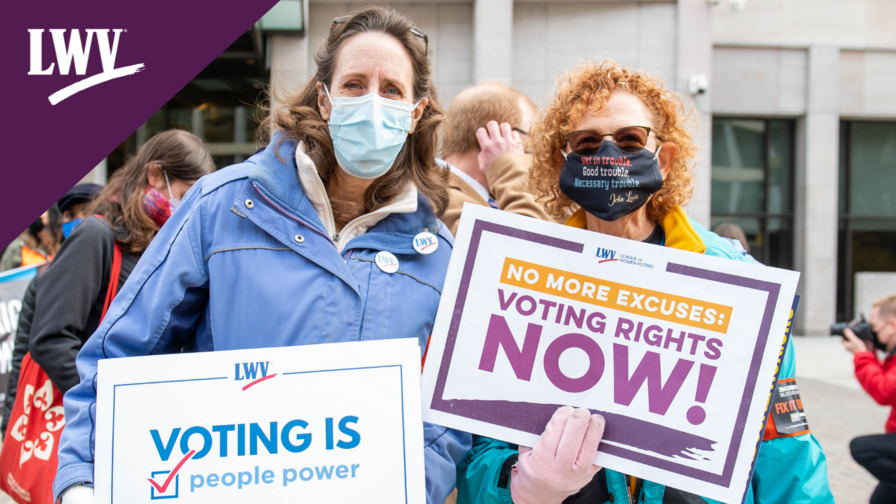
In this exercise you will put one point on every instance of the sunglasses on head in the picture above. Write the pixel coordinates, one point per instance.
(629, 139)
(416, 31)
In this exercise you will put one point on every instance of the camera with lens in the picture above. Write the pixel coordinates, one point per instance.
(861, 328)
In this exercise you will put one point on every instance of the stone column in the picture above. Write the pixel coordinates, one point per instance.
(493, 41)
(695, 58)
(289, 62)
(290, 59)
(817, 187)
(97, 175)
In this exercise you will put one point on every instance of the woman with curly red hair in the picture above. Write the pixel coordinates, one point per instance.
(612, 150)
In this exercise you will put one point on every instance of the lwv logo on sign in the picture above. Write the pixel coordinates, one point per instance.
(78, 53)
(606, 254)
(255, 371)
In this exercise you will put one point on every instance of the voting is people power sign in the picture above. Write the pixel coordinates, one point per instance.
(677, 350)
(321, 423)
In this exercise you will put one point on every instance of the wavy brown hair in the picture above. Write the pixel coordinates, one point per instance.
(588, 86)
(299, 116)
(182, 155)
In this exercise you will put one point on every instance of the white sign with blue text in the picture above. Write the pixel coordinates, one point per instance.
(320, 423)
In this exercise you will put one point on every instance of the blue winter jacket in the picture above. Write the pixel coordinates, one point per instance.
(245, 262)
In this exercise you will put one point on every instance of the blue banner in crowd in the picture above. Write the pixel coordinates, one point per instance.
(13, 284)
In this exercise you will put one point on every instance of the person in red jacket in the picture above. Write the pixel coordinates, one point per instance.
(877, 453)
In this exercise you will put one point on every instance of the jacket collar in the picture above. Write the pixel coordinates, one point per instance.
(287, 175)
(466, 184)
(680, 233)
(275, 172)
(406, 202)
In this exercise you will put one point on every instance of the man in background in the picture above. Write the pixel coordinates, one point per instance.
(483, 135)
(877, 453)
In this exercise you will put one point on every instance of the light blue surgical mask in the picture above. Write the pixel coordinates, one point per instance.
(70, 226)
(368, 132)
(172, 201)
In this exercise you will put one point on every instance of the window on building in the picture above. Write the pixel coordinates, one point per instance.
(752, 184)
(219, 105)
(867, 203)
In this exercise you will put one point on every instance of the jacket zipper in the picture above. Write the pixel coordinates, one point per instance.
(300, 221)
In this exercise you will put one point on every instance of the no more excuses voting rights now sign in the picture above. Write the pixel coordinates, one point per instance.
(677, 350)
(320, 423)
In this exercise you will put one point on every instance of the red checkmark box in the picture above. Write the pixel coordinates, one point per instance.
(161, 489)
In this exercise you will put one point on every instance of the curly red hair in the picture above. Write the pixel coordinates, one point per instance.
(589, 86)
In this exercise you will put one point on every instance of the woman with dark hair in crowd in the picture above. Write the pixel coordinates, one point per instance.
(73, 294)
(349, 175)
(135, 204)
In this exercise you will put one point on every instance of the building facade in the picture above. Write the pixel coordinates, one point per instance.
(795, 99)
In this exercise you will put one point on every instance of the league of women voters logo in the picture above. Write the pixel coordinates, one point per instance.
(43, 445)
(78, 53)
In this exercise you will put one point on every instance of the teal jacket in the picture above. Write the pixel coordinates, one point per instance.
(789, 470)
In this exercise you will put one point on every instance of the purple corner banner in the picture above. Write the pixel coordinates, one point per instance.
(162, 45)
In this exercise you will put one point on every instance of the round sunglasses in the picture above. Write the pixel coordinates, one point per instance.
(629, 139)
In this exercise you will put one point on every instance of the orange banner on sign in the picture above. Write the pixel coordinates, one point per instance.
(617, 296)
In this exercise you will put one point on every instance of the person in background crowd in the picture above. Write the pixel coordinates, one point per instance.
(51, 234)
(349, 174)
(135, 204)
(877, 453)
(483, 132)
(735, 234)
(602, 110)
(28, 248)
(72, 206)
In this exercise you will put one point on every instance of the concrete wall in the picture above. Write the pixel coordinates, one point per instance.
(449, 26)
(527, 44)
(759, 81)
(800, 23)
(97, 175)
(871, 286)
(551, 37)
(868, 82)
(772, 81)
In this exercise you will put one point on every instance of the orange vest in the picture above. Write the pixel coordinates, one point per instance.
(31, 257)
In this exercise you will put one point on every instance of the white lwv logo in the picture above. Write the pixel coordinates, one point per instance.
(78, 53)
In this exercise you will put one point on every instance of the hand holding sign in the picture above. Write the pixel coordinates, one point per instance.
(560, 463)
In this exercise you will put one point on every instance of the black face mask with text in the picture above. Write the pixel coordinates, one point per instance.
(611, 183)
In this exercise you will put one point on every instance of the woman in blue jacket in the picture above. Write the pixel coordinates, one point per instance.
(282, 249)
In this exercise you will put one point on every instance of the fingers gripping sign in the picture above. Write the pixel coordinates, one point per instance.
(495, 140)
(560, 464)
